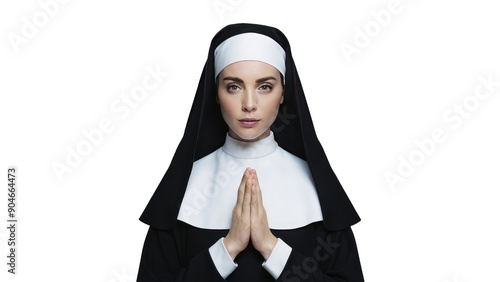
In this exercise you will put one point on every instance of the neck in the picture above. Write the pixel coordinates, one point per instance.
(250, 150)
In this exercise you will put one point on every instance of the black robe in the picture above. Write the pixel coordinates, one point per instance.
(181, 254)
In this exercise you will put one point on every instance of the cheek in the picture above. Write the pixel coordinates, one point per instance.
(274, 109)
(226, 108)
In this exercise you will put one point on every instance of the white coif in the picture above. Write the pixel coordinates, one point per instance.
(249, 47)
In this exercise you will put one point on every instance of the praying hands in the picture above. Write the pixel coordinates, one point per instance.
(249, 220)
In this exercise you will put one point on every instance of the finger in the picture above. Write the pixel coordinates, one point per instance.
(251, 174)
(255, 200)
(256, 180)
(258, 191)
(241, 189)
(247, 198)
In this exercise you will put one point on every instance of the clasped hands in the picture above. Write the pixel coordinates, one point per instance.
(249, 220)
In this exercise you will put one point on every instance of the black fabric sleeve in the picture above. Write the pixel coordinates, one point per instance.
(334, 258)
(162, 260)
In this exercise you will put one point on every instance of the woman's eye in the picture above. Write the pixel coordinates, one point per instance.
(232, 88)
(266, 88)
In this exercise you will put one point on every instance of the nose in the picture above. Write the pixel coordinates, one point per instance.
(249, 101)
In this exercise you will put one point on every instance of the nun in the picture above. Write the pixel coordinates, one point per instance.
(249, 194)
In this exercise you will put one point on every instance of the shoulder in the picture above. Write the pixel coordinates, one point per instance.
(207, 162)
(290, 161)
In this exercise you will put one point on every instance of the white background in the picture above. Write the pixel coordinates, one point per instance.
(440, 224)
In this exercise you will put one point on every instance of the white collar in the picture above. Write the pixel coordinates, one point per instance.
(250, 150)
(288, 191)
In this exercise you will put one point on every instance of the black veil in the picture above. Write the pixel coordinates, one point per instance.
(206, 130)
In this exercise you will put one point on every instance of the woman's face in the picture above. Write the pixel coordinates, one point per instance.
(249, 94)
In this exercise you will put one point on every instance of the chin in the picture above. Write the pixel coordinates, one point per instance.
(249, 134)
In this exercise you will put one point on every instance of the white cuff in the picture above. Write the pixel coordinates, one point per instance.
(221, 258)
(278, 258)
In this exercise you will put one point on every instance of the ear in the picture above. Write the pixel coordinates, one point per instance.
(217, 98)
(282, 97)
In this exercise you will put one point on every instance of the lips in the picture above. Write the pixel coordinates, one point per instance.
(248, 122)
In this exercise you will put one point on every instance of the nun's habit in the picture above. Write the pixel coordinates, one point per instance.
(307, 208)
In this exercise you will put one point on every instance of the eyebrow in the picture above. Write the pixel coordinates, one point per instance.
(239, 80)
(260, 80)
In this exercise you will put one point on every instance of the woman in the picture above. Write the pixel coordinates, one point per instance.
(249, 195)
